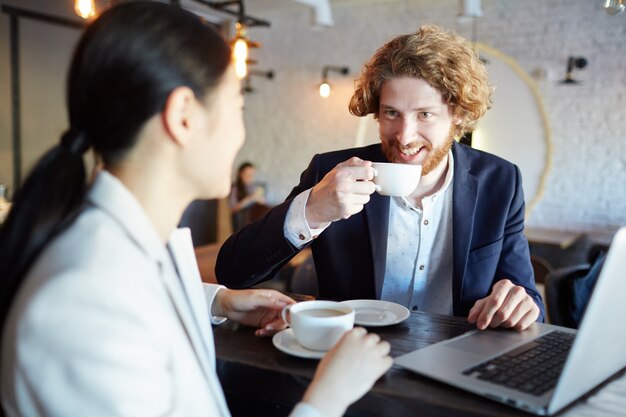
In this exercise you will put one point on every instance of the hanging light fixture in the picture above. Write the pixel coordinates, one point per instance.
(324, 89)
(85, 8)
(325, 86)
(240, 43)
(573, 63)
(240, 50)
(469, 9)
(614, 7)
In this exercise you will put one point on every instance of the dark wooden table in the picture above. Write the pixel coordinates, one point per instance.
(259, 380)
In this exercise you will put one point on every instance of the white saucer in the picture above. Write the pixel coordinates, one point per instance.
(285, 341)
(376, 313)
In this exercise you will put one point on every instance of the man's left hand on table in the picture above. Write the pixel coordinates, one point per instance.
(507, 306)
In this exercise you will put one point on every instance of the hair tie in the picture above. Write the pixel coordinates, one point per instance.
(76, 141)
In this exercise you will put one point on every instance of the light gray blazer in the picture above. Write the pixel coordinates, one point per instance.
(105, 326)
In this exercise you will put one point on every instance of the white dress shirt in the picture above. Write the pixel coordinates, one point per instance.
(111, 322)
(418, 269)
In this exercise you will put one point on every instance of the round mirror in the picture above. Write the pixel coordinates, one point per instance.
(516, 127)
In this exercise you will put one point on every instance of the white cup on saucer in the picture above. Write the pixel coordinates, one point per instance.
(396, 180)
(318, 325)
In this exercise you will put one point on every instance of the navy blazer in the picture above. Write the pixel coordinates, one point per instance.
(488, 235)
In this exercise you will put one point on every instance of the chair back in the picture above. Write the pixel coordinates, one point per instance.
(541, 268)
(304, 278)
(568, 291)
(559, 294)
(201, 217)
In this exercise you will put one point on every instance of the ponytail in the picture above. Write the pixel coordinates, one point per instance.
(46, 204)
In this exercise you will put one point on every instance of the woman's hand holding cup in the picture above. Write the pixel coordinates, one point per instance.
(347, 372)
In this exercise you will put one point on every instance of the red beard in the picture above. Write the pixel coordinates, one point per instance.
(434, 158)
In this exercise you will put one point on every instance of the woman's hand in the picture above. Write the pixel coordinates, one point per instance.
(257, 308)
(347, 372)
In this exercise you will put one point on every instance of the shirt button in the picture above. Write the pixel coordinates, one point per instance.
(421, 267)
(414, 308)
(301, 236)
(426, 222)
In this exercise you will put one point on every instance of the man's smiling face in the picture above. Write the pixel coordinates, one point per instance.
(415, 123)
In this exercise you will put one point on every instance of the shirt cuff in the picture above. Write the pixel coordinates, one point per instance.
(210, 291)
(305, 410)
(296, 228)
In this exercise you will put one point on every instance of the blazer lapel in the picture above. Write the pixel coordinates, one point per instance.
(182, 251)
(463, 209)
(189, 298)
(183, 308)
(377, 214)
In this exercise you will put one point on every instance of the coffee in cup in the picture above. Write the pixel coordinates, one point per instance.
(318, 325)
(396, 180)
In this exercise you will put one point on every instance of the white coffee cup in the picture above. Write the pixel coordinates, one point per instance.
(318, 325)
(396, 180)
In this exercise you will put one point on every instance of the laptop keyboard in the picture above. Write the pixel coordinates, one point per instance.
(533, 368)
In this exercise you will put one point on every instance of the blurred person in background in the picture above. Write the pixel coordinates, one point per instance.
(244, 195)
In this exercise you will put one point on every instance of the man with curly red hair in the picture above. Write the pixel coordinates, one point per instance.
(454, 246)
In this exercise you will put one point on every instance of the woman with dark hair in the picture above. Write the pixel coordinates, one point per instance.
(103, 312)
(244, 195)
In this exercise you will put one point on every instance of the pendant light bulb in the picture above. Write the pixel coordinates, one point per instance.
(240, 50)
(85, 8)
(241, 69)
(324, 89)
(240, 55)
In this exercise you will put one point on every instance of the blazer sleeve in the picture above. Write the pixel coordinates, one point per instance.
(257, 251)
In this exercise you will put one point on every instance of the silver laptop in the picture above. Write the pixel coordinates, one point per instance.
(501, 364)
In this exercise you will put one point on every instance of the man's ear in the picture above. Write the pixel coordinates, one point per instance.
(179, 113)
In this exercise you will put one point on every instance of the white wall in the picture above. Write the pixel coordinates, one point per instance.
(287, 121)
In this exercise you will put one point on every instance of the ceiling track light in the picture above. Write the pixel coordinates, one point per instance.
(224, 6)
(324, 85)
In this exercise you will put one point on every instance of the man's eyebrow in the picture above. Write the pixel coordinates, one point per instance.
(422, 108)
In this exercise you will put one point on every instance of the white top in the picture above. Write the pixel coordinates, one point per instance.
(111, 322)
(418, 270)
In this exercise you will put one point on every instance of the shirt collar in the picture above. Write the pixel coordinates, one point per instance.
(448, 180)
(401, 202)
